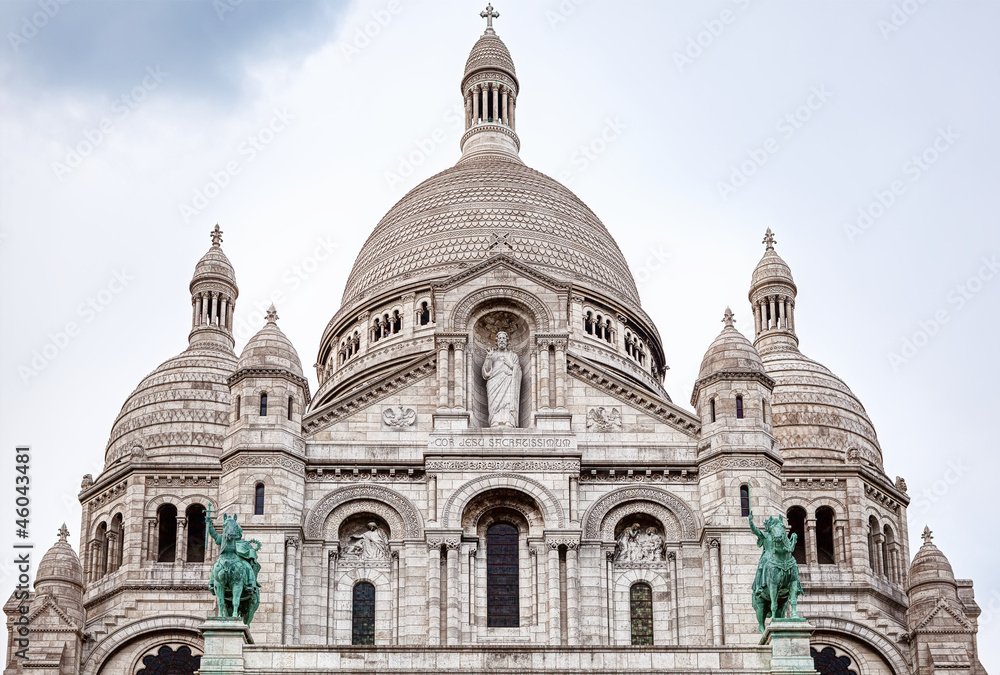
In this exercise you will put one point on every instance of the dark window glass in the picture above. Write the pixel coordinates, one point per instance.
(826, 662)
(641, 612)
(258, 500)
(363, 614)
(713, 409)
(739, 407)
(797, 524)
(745, 500)
(196, 533)
(263, 405)
(166, 661)
(167, 517)
(291, 406)
(824, 536)
(239, 405)
(502, 590)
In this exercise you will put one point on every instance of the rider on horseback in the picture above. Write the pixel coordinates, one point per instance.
(776, 584)
(234, 574)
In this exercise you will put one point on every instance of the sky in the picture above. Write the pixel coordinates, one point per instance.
(862, 132)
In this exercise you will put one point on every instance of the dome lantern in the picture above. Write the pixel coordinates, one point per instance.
(772, 300)
(489, 89)
(213, 296)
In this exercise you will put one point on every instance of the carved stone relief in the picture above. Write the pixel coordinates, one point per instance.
(604, 419)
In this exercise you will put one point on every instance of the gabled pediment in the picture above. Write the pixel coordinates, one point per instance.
(501, 261)
(944, 618)
(47, 614)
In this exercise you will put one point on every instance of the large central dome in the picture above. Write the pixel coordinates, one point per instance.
(482, 206)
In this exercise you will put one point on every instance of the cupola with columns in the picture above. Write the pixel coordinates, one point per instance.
(489, 88)
(772, 299)
(213, 296)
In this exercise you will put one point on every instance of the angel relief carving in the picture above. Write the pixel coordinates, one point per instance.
(636, 545)
(604, 419)
(399, 417)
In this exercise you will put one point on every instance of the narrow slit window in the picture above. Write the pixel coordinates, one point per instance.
(744, 500)
(258, 499)
(263, 405)
(739, 407)
(363, 614)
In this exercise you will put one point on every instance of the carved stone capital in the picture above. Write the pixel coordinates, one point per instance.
(292, 542)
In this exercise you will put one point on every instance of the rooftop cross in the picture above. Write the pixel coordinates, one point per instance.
(728, 319)
(63, 532)
(769, 239)
(216, 235)
(272, 314)
(927, 536)
(489, 15)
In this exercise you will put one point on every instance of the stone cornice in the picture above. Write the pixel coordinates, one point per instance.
(740, 375)
(647, 402)
(244, 373)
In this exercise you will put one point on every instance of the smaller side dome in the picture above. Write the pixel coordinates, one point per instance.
(731, 351)
(214, 266)
(771, 269)
(489, 53)
(60, 564)
(270, 349)
(930, 566)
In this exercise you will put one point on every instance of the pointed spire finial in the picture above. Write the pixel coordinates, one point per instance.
(769, 239)
(63, 533)
(728, 319)
(489, 15)
(272, 314)
(216, 236)
(927, 536)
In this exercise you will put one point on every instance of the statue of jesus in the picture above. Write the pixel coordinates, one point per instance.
(502, 372)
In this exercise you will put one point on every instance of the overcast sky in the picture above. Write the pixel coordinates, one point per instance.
(128, 129)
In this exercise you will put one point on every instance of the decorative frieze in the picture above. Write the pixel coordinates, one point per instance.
(643, 475)
(517, 465)
(730, 462)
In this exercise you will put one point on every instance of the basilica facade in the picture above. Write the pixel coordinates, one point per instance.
(490, 475)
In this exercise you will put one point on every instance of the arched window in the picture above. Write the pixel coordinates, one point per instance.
(239, 407)
(797, 524)
(739, 407)
(263, 405)
(872, 553)
(377, 329)
(166, 516)
(363, 614)
(825, 554)
(397, 321)
(101, 564)
(641, 613)
(425, 314)
(826, 662)
(745, 500)
(195, 533)
(599, 328)
(502, 589)
(588, 323)
(712, 405)
(291, 406)
(258, 499)
(166, 661)
(887, 567)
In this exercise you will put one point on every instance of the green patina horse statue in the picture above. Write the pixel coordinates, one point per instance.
(776, 586)
(234, 574)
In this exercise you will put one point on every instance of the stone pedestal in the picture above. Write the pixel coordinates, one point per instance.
(224, 640)
(789, 640)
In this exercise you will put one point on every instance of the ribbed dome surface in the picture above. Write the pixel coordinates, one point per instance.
(214, 266)
(60, 564)
(771, 269)
(816, 416)
(489, 53)
(463, 215)
(181, 407)
(930, 566)
(731, 351)
(270, 349)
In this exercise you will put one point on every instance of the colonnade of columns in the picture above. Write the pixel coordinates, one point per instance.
(773, 312)
(453, 372)
(490, 102)
(549, 363)
(212, 308)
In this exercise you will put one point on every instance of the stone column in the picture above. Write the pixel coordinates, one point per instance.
(877, 542)
(468, 110)
(203, 316)
(442, 368)
(555, 636)
(224, 313)
(332, 557)
(840, 545)
(763, 315)
(195, 304)
(506, 99)
(810, 541)
(574, 498)
(434, 592)
(715, 562)
(291, 543)
(572, 593)
(560, 375)
(513, 112)
(432, 499)
(783, 321)
(544, 400)
(791, 315)
(496, 103)
(180, 547)
(460, 375)
(454, 594)
(773, 322)
(213, 310)
(756, 320)
(475, 105)
(675, 614)
(486, 106)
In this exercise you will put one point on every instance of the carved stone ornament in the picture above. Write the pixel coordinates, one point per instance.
(900, 484)
(399, 417)
(604, 419)
(636, 545)
(87, 481)
(502, 372)
(370, 543)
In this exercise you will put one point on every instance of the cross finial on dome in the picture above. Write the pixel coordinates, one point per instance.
(272, 314)
(769, 239)
(63, 533)
(489, 15)
(927, 536)
(216, 236)
(728, 319)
